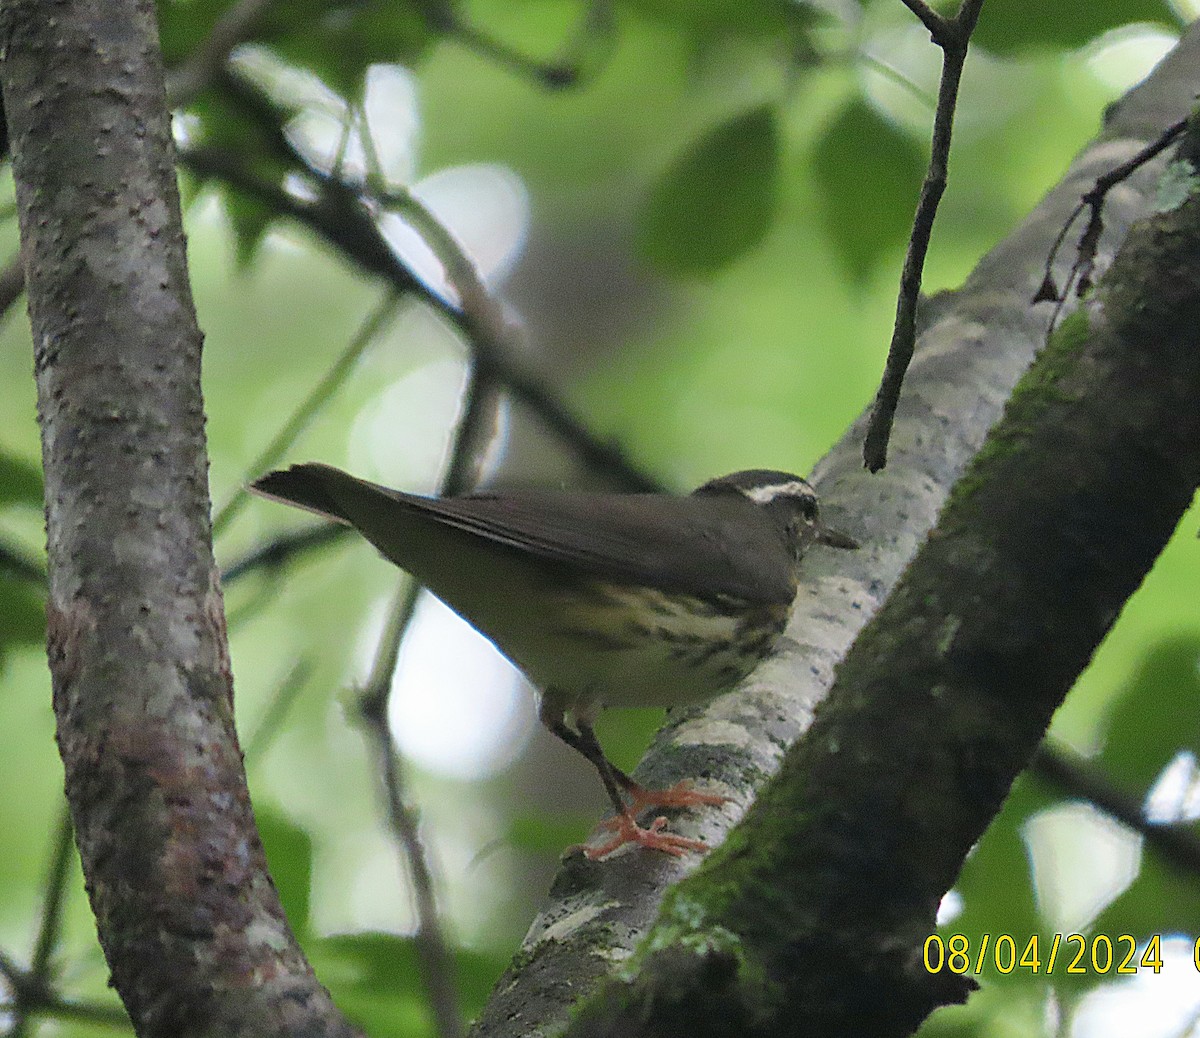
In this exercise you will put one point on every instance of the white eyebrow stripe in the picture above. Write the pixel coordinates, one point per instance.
(765, 495)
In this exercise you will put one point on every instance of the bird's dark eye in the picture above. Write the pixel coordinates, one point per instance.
(808, 507)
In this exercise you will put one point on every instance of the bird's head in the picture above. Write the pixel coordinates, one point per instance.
(790, 501)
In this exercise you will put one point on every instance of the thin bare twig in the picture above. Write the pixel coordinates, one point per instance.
(934, 22)
(345, 217)
(32, 989)
(436, 960)
(1178, 845)
(953, 36)
(50, 928)
(9, 969)
(582, 55)
(15, 1006)
(308, 407)
(481, 321)
(276, 554)
(273, 718)
(1080, 275)
(105, 1014)
(438, 973)
(373, 704)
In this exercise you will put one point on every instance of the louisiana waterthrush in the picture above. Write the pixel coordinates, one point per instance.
(601, 599)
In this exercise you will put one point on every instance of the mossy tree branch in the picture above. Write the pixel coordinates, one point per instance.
(817, 907)
(973, 347)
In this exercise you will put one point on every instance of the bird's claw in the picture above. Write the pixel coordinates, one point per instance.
(679, 795)
(627, 830)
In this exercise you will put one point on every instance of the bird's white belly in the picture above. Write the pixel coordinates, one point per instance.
(627, 646)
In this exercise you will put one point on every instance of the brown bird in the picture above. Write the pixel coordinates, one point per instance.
(601, 599)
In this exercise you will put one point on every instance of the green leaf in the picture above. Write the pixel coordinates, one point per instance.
(724, 19)
(250, 220)
(1017, 1008)
(1016, 26)
(545, 834)
(718, 199)
(22, 614)
(869, 175)
(289, 854)
(20, 481)
(247, 132)
(338, 42)
(184, 26)
(376, 979)
(1156, 716)
(1163, 899)
(243, 141)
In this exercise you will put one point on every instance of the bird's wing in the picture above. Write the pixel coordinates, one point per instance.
(706, 548)
(709, 547)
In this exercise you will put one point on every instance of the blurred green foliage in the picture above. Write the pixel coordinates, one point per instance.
(718, 200)
(715, 216)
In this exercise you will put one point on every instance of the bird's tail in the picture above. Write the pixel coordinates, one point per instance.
(311, 486)
(405, 528)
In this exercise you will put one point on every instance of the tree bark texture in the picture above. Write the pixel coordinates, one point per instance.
(811, 917)
(974, 345)
(187, 914)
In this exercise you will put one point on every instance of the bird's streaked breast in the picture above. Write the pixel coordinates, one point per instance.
(638, 646)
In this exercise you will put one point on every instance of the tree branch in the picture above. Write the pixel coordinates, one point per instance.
(932, 21)
(817, 907)
(974, 345)
(438, 974)
(310, 406)
(279, 552)
(1176, 844)
(437, 964)
(582, 55)
(189, 920)
(953, 36)
(345, 217)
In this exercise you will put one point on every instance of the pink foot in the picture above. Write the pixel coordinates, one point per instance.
(628, 831)
(679, 795)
